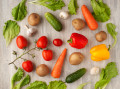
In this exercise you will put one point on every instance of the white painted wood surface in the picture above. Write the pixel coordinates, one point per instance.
(44, 28)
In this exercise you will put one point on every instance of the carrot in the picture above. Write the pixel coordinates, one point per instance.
(91, 22)
(56, 72)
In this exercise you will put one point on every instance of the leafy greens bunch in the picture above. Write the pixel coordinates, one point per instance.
(72, 7)
(111, 30)
(51, 4)
(17, 77)
(107, 73)
(10, 31)
(43, 85)
(101, 10)
(20, 11)
(11, 28)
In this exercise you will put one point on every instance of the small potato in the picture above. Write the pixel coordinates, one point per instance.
(78, 24)
(101, 36)
(76, 58)
(34, 19)
(42, 70)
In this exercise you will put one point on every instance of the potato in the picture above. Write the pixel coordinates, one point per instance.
(78, 24)
(34, 19)
(76, 58)
(42, 70)
(101, 36)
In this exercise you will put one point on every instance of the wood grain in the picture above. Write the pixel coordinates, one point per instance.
(45, 29)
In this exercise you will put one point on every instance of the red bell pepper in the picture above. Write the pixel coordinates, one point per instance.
(77, 41)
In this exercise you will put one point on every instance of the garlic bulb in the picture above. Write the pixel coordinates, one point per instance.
(64, 15)
(94, 71)
(30, 31)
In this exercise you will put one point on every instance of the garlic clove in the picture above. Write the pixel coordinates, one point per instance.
(64, 15)
(31, 31)
(94, 70)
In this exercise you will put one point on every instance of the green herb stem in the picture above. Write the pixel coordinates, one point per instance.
(22, 55)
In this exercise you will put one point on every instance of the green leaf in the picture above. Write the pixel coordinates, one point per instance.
(111, 30)
(72, 7)
(16, 77)
(96, 7)
(101, 84)
(20, 11)
(81, 86)
(110, 71)
(101, 10)
(107, 9)
(23, 82)
(102, 74)
(57, 85)
(103, 17)
(37, 85)
(51, 4)
(10, 31)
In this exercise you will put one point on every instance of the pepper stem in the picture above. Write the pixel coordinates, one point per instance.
(70, 40)
(109, 48)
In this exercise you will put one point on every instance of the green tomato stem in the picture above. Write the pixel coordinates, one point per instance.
(22, 55)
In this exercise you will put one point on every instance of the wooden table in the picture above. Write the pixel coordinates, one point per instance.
(44, 28)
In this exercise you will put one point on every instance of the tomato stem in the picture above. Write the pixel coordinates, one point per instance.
(22, 55)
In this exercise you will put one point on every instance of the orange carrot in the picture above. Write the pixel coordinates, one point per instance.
(91, 22)
(56, 72)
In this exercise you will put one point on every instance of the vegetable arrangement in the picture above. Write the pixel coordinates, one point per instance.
(101, 13)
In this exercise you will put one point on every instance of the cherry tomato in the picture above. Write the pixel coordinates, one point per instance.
(57, 42)
(21, 42)
(47, 55)
(42, 42)
(27, 66)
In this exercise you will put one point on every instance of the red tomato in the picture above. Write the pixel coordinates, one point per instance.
(47, 55)
(42, 42)
(27, 66)
(57, 42)
(21, 42)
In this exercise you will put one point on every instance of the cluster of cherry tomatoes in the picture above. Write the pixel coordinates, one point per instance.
(42, 43)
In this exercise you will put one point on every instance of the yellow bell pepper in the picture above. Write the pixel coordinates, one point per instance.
(99, 53)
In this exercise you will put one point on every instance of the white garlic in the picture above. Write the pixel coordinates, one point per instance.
(94, 70)
(30, 31)
(64, 15)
